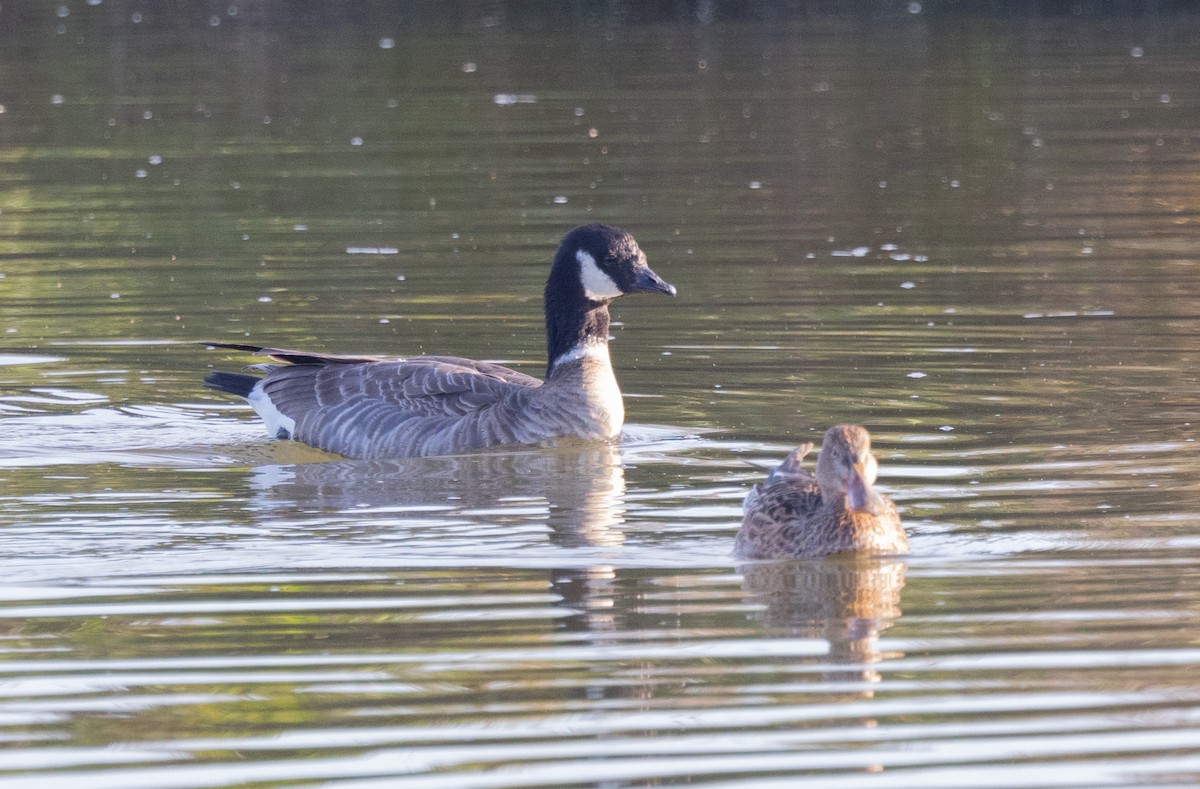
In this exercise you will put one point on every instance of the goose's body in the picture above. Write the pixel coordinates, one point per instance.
(794, 514)
(367, 407)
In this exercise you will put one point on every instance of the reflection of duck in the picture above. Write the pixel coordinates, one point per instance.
(847, 600)
(796, 514)
(365, 407)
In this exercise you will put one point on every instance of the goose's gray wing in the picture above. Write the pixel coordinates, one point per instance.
(429, 405)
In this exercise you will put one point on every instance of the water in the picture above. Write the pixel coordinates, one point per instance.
(972, 234)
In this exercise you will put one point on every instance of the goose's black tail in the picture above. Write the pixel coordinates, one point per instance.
(238, 384)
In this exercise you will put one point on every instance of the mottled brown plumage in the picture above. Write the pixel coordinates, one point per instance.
(796, 514)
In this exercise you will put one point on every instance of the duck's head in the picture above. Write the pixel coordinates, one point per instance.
(846, 469)
(598, 263)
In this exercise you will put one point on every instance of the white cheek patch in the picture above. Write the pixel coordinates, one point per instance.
(597, 285)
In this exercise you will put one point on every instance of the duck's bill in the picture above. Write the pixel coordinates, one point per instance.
(861, 495)
(647, 281)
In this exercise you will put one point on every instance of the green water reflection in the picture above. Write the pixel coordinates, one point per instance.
(972, 232)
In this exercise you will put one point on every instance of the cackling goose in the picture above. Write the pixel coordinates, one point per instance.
(367, 407)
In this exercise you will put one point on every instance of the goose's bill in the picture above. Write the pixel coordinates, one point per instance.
(647, 281)
(861, 495)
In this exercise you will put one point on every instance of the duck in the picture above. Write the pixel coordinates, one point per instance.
(371, 407)
(794, 514)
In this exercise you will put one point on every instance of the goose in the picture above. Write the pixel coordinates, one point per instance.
(373, 408)
(794, 514)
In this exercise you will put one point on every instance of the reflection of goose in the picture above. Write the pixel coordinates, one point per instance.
(580, 487)
(366, 407)
(847, 600)
(796, 514)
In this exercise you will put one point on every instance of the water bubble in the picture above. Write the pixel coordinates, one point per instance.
(372, 251)
(883, 184)
(1136, 52)
(387, 43)
(147, 115)
(560, 199)
(1165, 98)
(265, 299)
(356, 141)
(954, 183)
(469, 67)
(945, 428)
(916, 375)
(155, 159)
(508, 99)
(914, 8)
(62, 12)
(299, 228)
(136, 17)
(94, 2)
(400, 277)
(114, 295)
(57, 99)
(888, 247)
(214, 21)
(579, 112)
(908, 285)
(140, 174)
(384, 320)
(756, 184)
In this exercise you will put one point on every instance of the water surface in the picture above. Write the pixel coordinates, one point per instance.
(973, 235)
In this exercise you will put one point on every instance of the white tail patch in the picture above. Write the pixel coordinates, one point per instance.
(597, 285)
(277, 423)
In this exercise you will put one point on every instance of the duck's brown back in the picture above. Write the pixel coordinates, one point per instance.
(786, 517)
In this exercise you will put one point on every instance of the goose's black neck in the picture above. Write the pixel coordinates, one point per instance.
(572, 320)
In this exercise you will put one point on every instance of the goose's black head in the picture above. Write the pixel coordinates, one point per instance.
(597, 263)
(594, 265)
